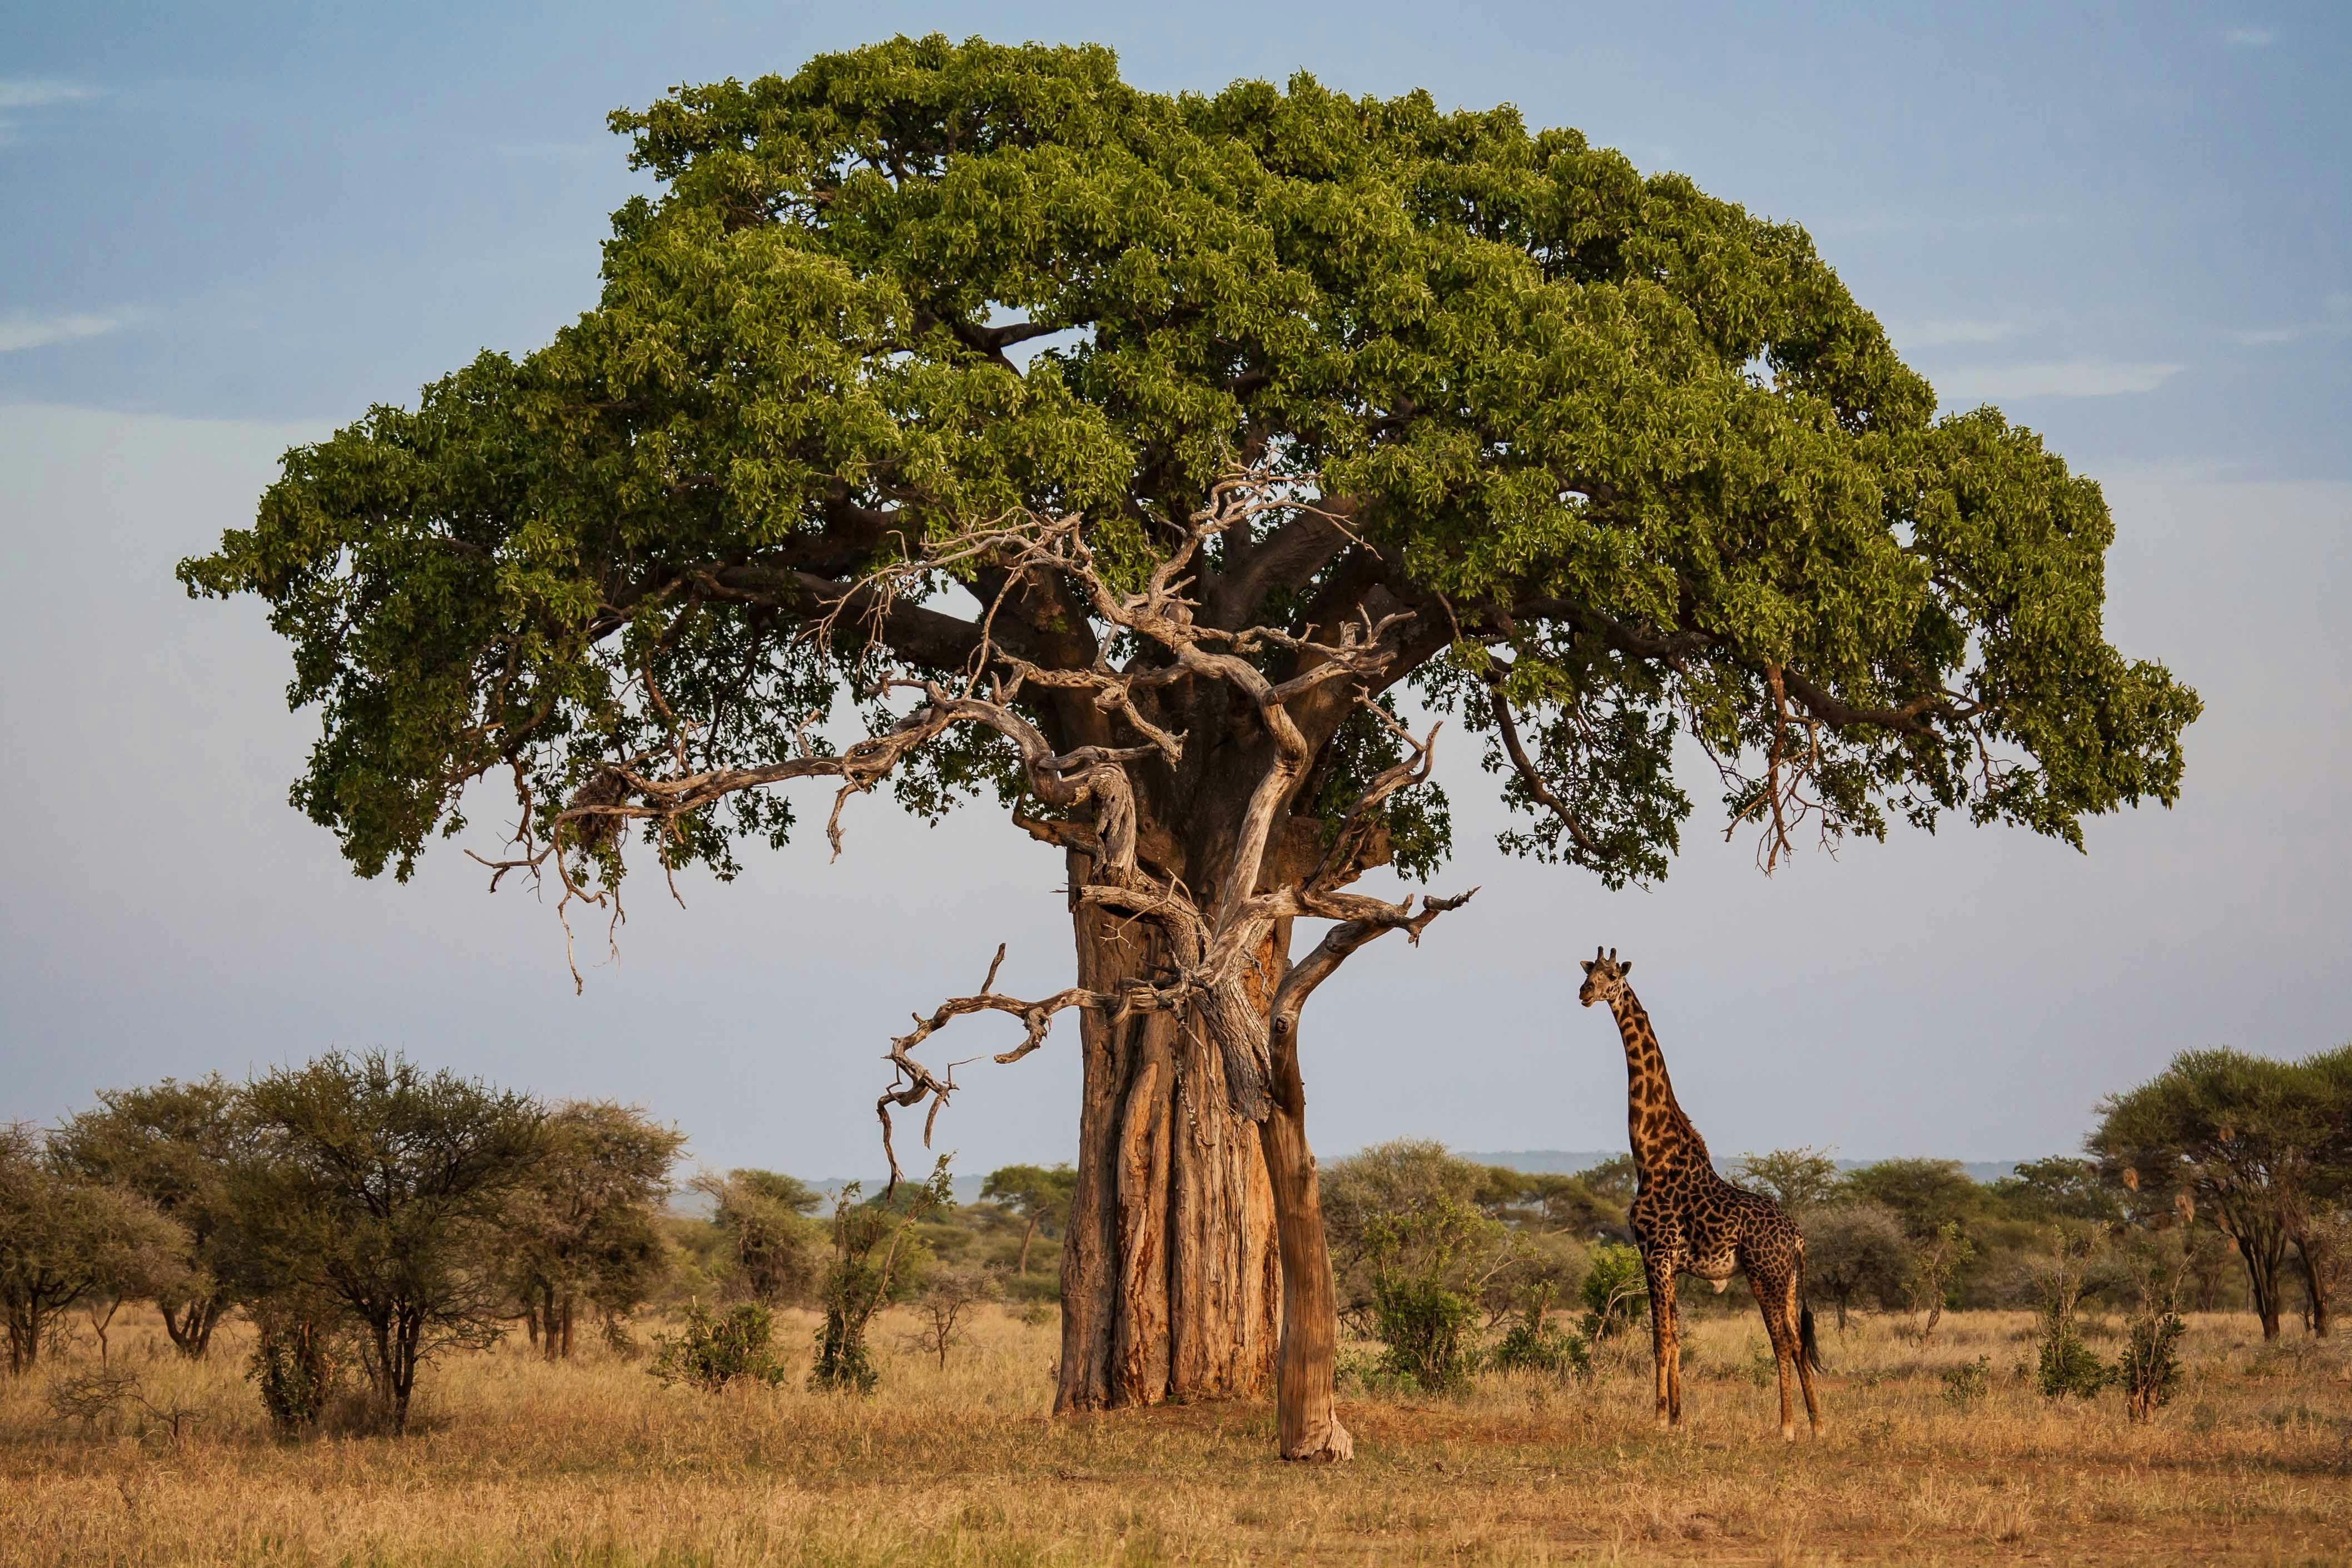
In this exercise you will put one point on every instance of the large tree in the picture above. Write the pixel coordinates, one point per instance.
(175, 1145)
(1125, 453)
(2251, 1145)
(772, 1242)
(370, 1184)
(65, 1241)
(582, 1225)
(1037, 1196)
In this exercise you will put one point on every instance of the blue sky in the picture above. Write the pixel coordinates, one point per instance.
(231, 228)
(2127, 224)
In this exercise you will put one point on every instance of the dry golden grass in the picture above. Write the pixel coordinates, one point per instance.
(594, 1464)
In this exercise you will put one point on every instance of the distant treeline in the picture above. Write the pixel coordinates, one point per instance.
(367, 1216)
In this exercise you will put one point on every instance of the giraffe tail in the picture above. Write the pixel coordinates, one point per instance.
(1807, 1345)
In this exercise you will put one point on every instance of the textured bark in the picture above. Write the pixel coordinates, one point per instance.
(1306, 1371)
(1224, 1277)
(1169, 1275)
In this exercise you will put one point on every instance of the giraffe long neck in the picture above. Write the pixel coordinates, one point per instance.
(1663, 1137)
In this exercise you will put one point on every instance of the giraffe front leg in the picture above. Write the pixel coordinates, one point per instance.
(1665, 1337)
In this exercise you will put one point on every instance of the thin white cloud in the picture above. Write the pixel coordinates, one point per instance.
(1943, 334)
(23, 93)
(2250, 37)
(2336, 312)
(2052, 378)
(34, 330)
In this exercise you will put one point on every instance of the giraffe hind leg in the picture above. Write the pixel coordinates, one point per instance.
(1807, 1358)
(1770, 1280)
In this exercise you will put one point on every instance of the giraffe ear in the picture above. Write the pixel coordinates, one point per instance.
(1588, 966)
(1624, 969)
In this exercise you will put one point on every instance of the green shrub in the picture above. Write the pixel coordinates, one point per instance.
(1421, 1310)
(876, 1259)
(715, 1351)
(1535, 1345)
(1616, 1291)
(1425, 1328)
(2067, 1365)
(294, 1368)
(2148, 1370)
(1967, 1384)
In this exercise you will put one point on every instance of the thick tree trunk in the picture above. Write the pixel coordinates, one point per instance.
(405, 1344)
(1170, 1279)
(2315, 1286)
(1306, 1371)
(2264, 1255)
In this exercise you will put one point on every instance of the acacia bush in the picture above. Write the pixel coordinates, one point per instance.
(1857, 1257)
(770, 1248)
(1967, 1384)
(711, 1353)
(944, 1308)
(175, 1145)
(876, 1259)
(1936, 1260)
(379, 1192)
(2064, 1364)
(295, 1367)
(65, 1241)
(1535, 1343)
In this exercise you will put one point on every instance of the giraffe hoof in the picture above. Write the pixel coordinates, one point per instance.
(1787, 1434)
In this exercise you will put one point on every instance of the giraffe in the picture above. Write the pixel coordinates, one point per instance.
(1687, 1219)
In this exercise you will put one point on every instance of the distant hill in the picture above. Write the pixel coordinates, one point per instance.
(964, 1189)
(1543, 1162)
(1570, 1161)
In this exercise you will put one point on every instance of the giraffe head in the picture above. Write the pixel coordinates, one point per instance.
(1604, 977)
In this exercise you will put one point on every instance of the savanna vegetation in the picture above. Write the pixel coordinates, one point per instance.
(1943, 1452)
(401, 1317)
(964, 418)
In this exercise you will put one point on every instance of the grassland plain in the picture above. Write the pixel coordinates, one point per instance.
(593, 1465)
